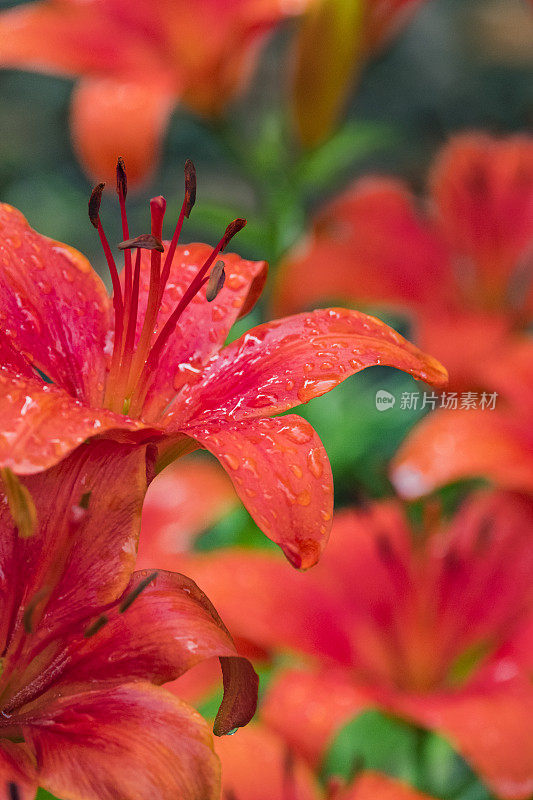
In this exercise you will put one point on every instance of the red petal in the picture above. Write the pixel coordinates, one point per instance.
(120, 115)
(257, 751)
(307, 709)
(85, 561)
(371, 785)
(55, 307)
(492, 729)
(17, 769)
(366, 233)
(136, 742)
(281, 472)
(92, 38)
(173, 516)
(203, 327)
(169, 627)
(284, 363)
(41, 424)
(452, 445)
(484, 191)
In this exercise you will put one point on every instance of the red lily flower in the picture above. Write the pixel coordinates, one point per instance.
(135, 61)
(461, 271)
(435, 626)
(258, 751)
(160, 372)
(86, 643)
(496, 444)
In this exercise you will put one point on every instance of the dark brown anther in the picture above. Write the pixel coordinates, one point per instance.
(233, 228)
(27, 616)
(13, 791)
(85, 500)
(134, 594)
(95, 626)
(190, 187)
(94, 204)
(385, 548)
(122, 180)
(143, 242)
(216, 281)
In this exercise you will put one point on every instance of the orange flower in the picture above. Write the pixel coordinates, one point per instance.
(135, 60)
(434, 625)
(461, 270)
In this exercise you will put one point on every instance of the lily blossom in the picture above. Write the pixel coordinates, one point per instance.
(150, 364)
(497, 444)
(86, 643)
(460, 270)
(135, 60)
(433, 625)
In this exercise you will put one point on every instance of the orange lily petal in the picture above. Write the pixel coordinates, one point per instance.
(46, 290)
(168, 629)
(359, 232)
(173, 516)
(257, 751)
(372, 785)
(283, 459)
(17, 769)
(115, 116)
(134, 741)
(483, 188)
(453, 445)
(281, 364)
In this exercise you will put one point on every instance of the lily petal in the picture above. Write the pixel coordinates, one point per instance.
(55, 307)
(41, 424)
(483, 188)
(281, 364)
(359, 232)
(117, 115)
(453, 445)
(169, 628)
(134, 741)
(203, 327)
(282, 459)
(18, 770)
(257, 751)
(371, 785)
(79, 558)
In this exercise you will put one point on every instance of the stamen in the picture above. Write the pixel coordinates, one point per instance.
(215, 282)
(186, 208)
(134, 594)
(144, 242)
(122, 191)
(96, 626)
(27, 616)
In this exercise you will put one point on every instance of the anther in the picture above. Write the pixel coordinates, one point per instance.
(216, 281)
(134, 594)
(96, 626)
(190, 188)
(94, 204)
(27, 616)
(122, 180)
(232, 229)
(143, 242)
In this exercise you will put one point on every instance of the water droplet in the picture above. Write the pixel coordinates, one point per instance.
(304, 498)
(296, 470)
(231, 460)
(314, 462)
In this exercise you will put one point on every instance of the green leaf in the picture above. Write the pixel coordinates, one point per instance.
(352, 143)
(373, 741)
(42, 794)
